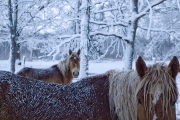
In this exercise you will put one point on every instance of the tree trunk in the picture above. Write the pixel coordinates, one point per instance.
(18, 56)
(12, 54)
(13, 16)
(77, 23)
(132, 27)
(85, 15)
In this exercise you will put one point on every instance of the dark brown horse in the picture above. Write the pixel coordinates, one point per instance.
(63, 72)
(148, 94)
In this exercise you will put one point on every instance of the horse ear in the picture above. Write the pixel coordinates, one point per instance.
(174, 67)
(140, 67)
(70, 51)
(78, 52)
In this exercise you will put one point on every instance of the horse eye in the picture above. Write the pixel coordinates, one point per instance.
(173, 103)
(139, 101)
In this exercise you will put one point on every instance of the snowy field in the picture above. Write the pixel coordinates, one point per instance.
(95, 67)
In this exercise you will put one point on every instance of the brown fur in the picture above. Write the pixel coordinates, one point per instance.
(27, 99)
(141, 67)
(123, 95)
(61, 73)
(132, 94)
(158, 76)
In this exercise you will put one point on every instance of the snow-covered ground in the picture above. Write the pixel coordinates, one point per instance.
(95, 67)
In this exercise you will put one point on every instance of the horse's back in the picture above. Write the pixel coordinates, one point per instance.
(51, 74)
(23, 98)
(23, 71)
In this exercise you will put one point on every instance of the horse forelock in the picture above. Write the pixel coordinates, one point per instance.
(75, 55)
(124, 86)
(121, 94)
(158, 82)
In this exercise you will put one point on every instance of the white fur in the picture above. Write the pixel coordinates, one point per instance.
(158, 92)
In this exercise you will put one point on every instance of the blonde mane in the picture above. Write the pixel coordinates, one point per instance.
(158, 77)
(124, 86)
(64, 65)
(121, 94)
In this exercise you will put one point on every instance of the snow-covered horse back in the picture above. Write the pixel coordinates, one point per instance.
(63, 72)
(148, 94)
(27, 99)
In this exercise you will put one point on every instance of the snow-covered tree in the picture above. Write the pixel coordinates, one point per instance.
(85, 16)
(126, 16)
(21, 16)
(13, 23)
(101, 28)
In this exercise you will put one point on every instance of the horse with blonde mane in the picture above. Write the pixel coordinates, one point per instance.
(62, 73)
(149, 93)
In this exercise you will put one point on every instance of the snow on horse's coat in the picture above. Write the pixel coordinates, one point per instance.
(24, 98)
(148, 93)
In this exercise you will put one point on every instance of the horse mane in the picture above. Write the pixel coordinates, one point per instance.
(63, 65)
(121, 94)
(157, 77)
(124, 86)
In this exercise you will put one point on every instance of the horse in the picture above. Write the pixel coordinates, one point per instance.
(61, 73)
(147, 93)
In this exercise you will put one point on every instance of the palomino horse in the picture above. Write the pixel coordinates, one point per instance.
(63, 72)
(148, 94)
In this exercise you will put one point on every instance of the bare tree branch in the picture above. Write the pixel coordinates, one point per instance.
(153, 4)
(109, 24)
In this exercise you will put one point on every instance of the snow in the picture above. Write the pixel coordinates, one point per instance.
(84, 38)
(95, 67)
(150, 19)
(32, 101)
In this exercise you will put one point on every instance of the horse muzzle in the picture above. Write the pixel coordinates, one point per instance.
(75, 73)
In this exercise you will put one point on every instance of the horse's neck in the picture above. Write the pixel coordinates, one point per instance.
(122, 94)
(63, 66)
(68, 77)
